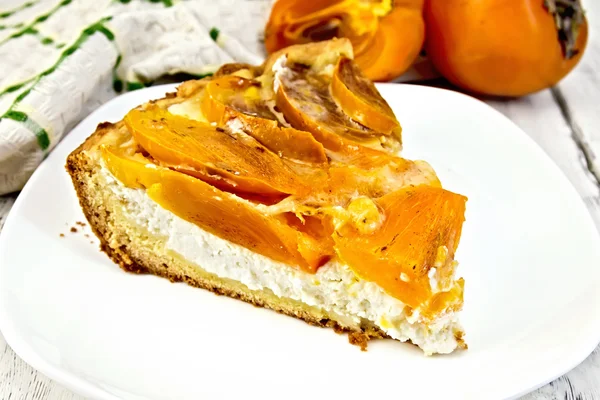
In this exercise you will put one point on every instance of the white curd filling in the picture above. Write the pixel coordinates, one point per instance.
(278, 68)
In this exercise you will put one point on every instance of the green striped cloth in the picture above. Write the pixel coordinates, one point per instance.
(61, 59)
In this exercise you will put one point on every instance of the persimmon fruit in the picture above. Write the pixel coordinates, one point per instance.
(387, 35)
(505, 48)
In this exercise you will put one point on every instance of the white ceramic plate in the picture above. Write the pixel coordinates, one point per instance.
(529, 253)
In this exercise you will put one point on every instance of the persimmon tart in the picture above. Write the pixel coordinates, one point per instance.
(281, 185)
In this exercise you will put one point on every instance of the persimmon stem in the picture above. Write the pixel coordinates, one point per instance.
(568, 16)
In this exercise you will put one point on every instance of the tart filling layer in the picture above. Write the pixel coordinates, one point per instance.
(334, 287)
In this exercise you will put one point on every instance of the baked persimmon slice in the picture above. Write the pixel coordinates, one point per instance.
(305, 99)
(237, 102)
(219, 212)
(359, 99)
(240, 162)
(421, 229)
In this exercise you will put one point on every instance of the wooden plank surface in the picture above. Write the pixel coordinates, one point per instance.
(579, 94)
(564, 121)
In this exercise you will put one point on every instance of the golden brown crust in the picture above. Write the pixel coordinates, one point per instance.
(133, 254)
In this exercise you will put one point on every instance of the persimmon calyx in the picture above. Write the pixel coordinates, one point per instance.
(568, 17)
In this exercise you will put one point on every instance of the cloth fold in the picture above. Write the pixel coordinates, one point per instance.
(62, 59)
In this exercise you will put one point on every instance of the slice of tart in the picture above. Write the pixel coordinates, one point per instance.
(281, 185)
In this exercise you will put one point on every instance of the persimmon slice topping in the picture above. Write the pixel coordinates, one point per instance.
(236, 102)
(218, 213)
(237, 161)
(418, 222)
(360, 100)
(306, 101)
(235, 93)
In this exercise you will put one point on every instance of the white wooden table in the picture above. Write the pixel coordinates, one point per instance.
(564, 121)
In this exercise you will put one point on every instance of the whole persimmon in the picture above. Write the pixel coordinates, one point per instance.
(387, 35)
(505, 47)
